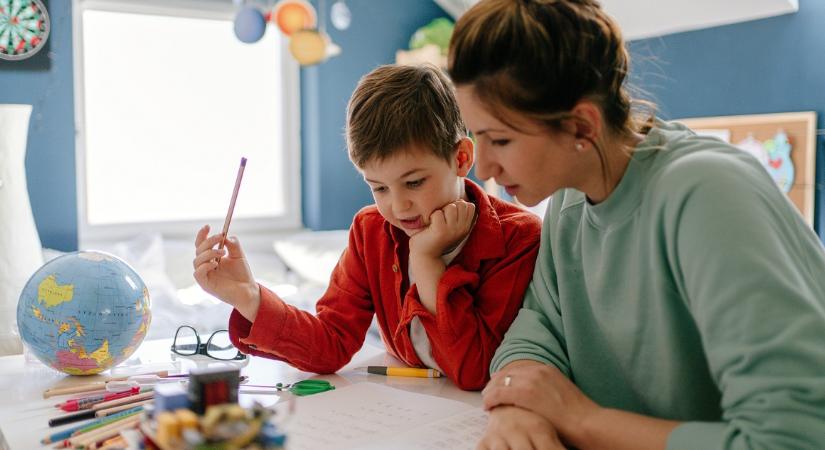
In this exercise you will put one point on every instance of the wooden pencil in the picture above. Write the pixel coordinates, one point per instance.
(124, 400)
(110, 406)
(73, 439)
(117, 409)
(116, 442)
(87, 439)
(94, 386)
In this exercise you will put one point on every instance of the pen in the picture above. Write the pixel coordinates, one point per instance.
(88, 402)
(73, 417)
(103, 409)
(402, 371)
(232, 203)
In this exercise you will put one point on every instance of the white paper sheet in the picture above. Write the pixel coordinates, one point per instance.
(369, 415)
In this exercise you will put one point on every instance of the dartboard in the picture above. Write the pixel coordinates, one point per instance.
(24, 28)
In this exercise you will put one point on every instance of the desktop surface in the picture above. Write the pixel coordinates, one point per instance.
(24, 413)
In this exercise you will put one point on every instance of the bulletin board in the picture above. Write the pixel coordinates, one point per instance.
(800, 129)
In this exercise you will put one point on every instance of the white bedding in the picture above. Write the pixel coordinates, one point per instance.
(166, 268)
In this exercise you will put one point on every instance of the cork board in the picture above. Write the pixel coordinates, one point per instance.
(800, 130)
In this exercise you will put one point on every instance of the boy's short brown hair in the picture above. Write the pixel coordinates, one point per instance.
(396, 106)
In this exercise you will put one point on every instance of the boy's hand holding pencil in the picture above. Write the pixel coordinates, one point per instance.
(224, 272)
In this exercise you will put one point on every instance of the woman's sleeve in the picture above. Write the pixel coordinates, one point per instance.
(752, 274)
(537, 333)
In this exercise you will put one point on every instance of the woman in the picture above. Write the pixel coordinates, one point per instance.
(678, 299)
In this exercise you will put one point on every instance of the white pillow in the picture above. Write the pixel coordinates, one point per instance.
(313, 254)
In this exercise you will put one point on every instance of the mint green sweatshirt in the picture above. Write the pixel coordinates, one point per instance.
(695, 292)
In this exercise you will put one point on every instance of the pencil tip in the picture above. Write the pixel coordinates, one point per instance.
(243, 161)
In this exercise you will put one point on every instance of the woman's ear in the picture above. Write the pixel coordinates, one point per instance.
(587, 123)
(464, 156)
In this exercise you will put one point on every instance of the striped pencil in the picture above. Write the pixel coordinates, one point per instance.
(101, 434)
(66, 434)
(112, 406)
(87, 402)
(144, 395)
(117, 409)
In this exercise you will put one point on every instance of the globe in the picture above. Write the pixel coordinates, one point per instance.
(83, 312)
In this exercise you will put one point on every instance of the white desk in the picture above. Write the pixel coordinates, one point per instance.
(24, 413)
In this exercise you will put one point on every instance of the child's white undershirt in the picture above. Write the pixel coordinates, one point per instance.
(420, 341)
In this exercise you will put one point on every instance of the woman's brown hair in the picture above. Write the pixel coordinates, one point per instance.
(541, 57)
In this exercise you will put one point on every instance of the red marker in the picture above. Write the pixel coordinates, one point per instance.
(87, 402)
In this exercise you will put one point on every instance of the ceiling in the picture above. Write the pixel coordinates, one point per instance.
(649, 18)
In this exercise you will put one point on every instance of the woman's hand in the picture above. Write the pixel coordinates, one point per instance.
(225, 273)
(544, 390)
(515, 428)
(448, 226)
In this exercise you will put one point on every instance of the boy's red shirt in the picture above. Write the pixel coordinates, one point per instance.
(477, 298)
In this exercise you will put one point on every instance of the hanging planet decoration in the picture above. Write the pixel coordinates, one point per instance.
(24, 28)
(340, 15)
(308, 47)
(294, 15)
(250, 24)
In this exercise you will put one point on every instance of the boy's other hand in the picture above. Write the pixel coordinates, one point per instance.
(225, 273)
(448, 226)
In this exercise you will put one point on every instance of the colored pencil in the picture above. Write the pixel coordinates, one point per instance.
(110, 407)
(231, 209)
(122, 401)
(88, 402)
(101, 434)
(66, 434)
(117, 409)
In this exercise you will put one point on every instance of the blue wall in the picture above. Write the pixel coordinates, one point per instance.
(50, 162)
(333, 191)
(765, 66)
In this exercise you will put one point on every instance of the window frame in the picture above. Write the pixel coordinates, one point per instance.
(261, 228)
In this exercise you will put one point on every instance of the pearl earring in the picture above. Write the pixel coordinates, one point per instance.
(579, 146)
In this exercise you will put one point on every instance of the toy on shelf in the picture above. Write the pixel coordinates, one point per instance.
(428, 45)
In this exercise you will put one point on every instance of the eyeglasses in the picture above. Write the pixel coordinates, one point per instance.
(188, 343)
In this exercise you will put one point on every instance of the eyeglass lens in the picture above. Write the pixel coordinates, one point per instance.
(220, 347)
(186, 341)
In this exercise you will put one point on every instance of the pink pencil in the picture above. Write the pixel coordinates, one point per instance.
(232, 203)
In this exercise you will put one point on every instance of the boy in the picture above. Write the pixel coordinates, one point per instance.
(443, 266)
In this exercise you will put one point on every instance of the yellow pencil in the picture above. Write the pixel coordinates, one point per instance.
(402, 371)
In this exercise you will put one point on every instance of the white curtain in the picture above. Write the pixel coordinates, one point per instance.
(20, 253)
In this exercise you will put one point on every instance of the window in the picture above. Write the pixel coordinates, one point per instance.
(167, 102)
